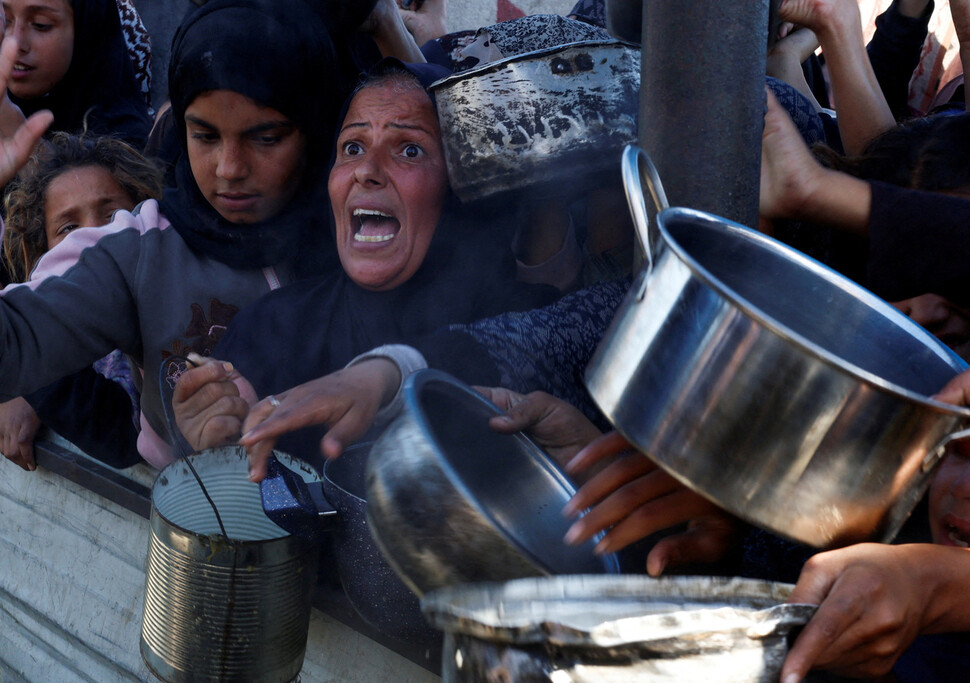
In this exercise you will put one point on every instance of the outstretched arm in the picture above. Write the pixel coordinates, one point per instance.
(386, 26)
(863, 112)
(347, 401)
(795, 186)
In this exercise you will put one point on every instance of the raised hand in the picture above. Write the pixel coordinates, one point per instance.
(424, 20)
(16, 148)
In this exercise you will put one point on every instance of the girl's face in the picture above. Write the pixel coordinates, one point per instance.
(45, 33)
(81, 197)
(388, 184)
(949, 502)
(247, 159)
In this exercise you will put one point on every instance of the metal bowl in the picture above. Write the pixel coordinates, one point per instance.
(451, 501)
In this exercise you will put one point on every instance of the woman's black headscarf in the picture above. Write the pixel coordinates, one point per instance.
(99, 83)
(319, 325)
(280, 55)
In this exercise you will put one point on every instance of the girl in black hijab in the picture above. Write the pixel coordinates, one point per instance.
(98, 91)
(285, 62)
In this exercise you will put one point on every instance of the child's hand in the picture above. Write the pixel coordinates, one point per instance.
(18, 426)
(346, 401)
(209, 410)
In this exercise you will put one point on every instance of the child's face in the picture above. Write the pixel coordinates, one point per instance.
(950, 500)
(45, 32)
(247, 159)
(83, 197)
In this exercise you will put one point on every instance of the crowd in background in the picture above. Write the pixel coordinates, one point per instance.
(278, 247)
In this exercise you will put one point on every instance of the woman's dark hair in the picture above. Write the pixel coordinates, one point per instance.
(928, 153)
(25, 240)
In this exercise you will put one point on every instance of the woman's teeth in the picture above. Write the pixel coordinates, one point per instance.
(957, 538)
(374, 226)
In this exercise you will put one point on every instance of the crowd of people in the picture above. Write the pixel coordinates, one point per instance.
(286, 222)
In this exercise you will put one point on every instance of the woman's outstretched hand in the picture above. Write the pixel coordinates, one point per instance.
(16, 149)
(347, 401)
(556, 426)
(631, 498)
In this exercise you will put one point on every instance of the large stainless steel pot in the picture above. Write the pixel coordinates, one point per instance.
(605, 629)
(552, 119)
(218, 608)
(772, 385)
(451, 501)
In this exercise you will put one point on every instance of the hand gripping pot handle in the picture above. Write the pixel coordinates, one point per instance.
(637, 169)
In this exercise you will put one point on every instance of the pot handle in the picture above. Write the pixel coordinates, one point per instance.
(637, 169)
(936, 453)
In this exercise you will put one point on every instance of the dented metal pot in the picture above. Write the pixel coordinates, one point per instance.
(604, 629)
(450, 500)
(550, 120)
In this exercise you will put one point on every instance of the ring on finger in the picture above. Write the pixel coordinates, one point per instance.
(273, 401)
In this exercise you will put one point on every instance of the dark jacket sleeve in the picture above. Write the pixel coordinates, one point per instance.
(894, 53)
(919, 243)
(92, 412)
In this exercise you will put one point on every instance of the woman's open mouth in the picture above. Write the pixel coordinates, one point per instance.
(373, 226)
(956, 532)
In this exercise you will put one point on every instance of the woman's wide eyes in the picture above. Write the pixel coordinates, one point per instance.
(409, 151)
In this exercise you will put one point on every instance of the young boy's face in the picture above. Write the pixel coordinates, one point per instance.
(950, 500)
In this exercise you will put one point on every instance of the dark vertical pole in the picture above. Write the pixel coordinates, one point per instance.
(702, 101)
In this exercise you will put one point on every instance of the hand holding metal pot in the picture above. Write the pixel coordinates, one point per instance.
(557, 427)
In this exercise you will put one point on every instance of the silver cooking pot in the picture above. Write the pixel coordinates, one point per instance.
(552, 119)
(770, 384)
(449, 500)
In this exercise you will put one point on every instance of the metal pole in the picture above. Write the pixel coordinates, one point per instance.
(702, 101)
